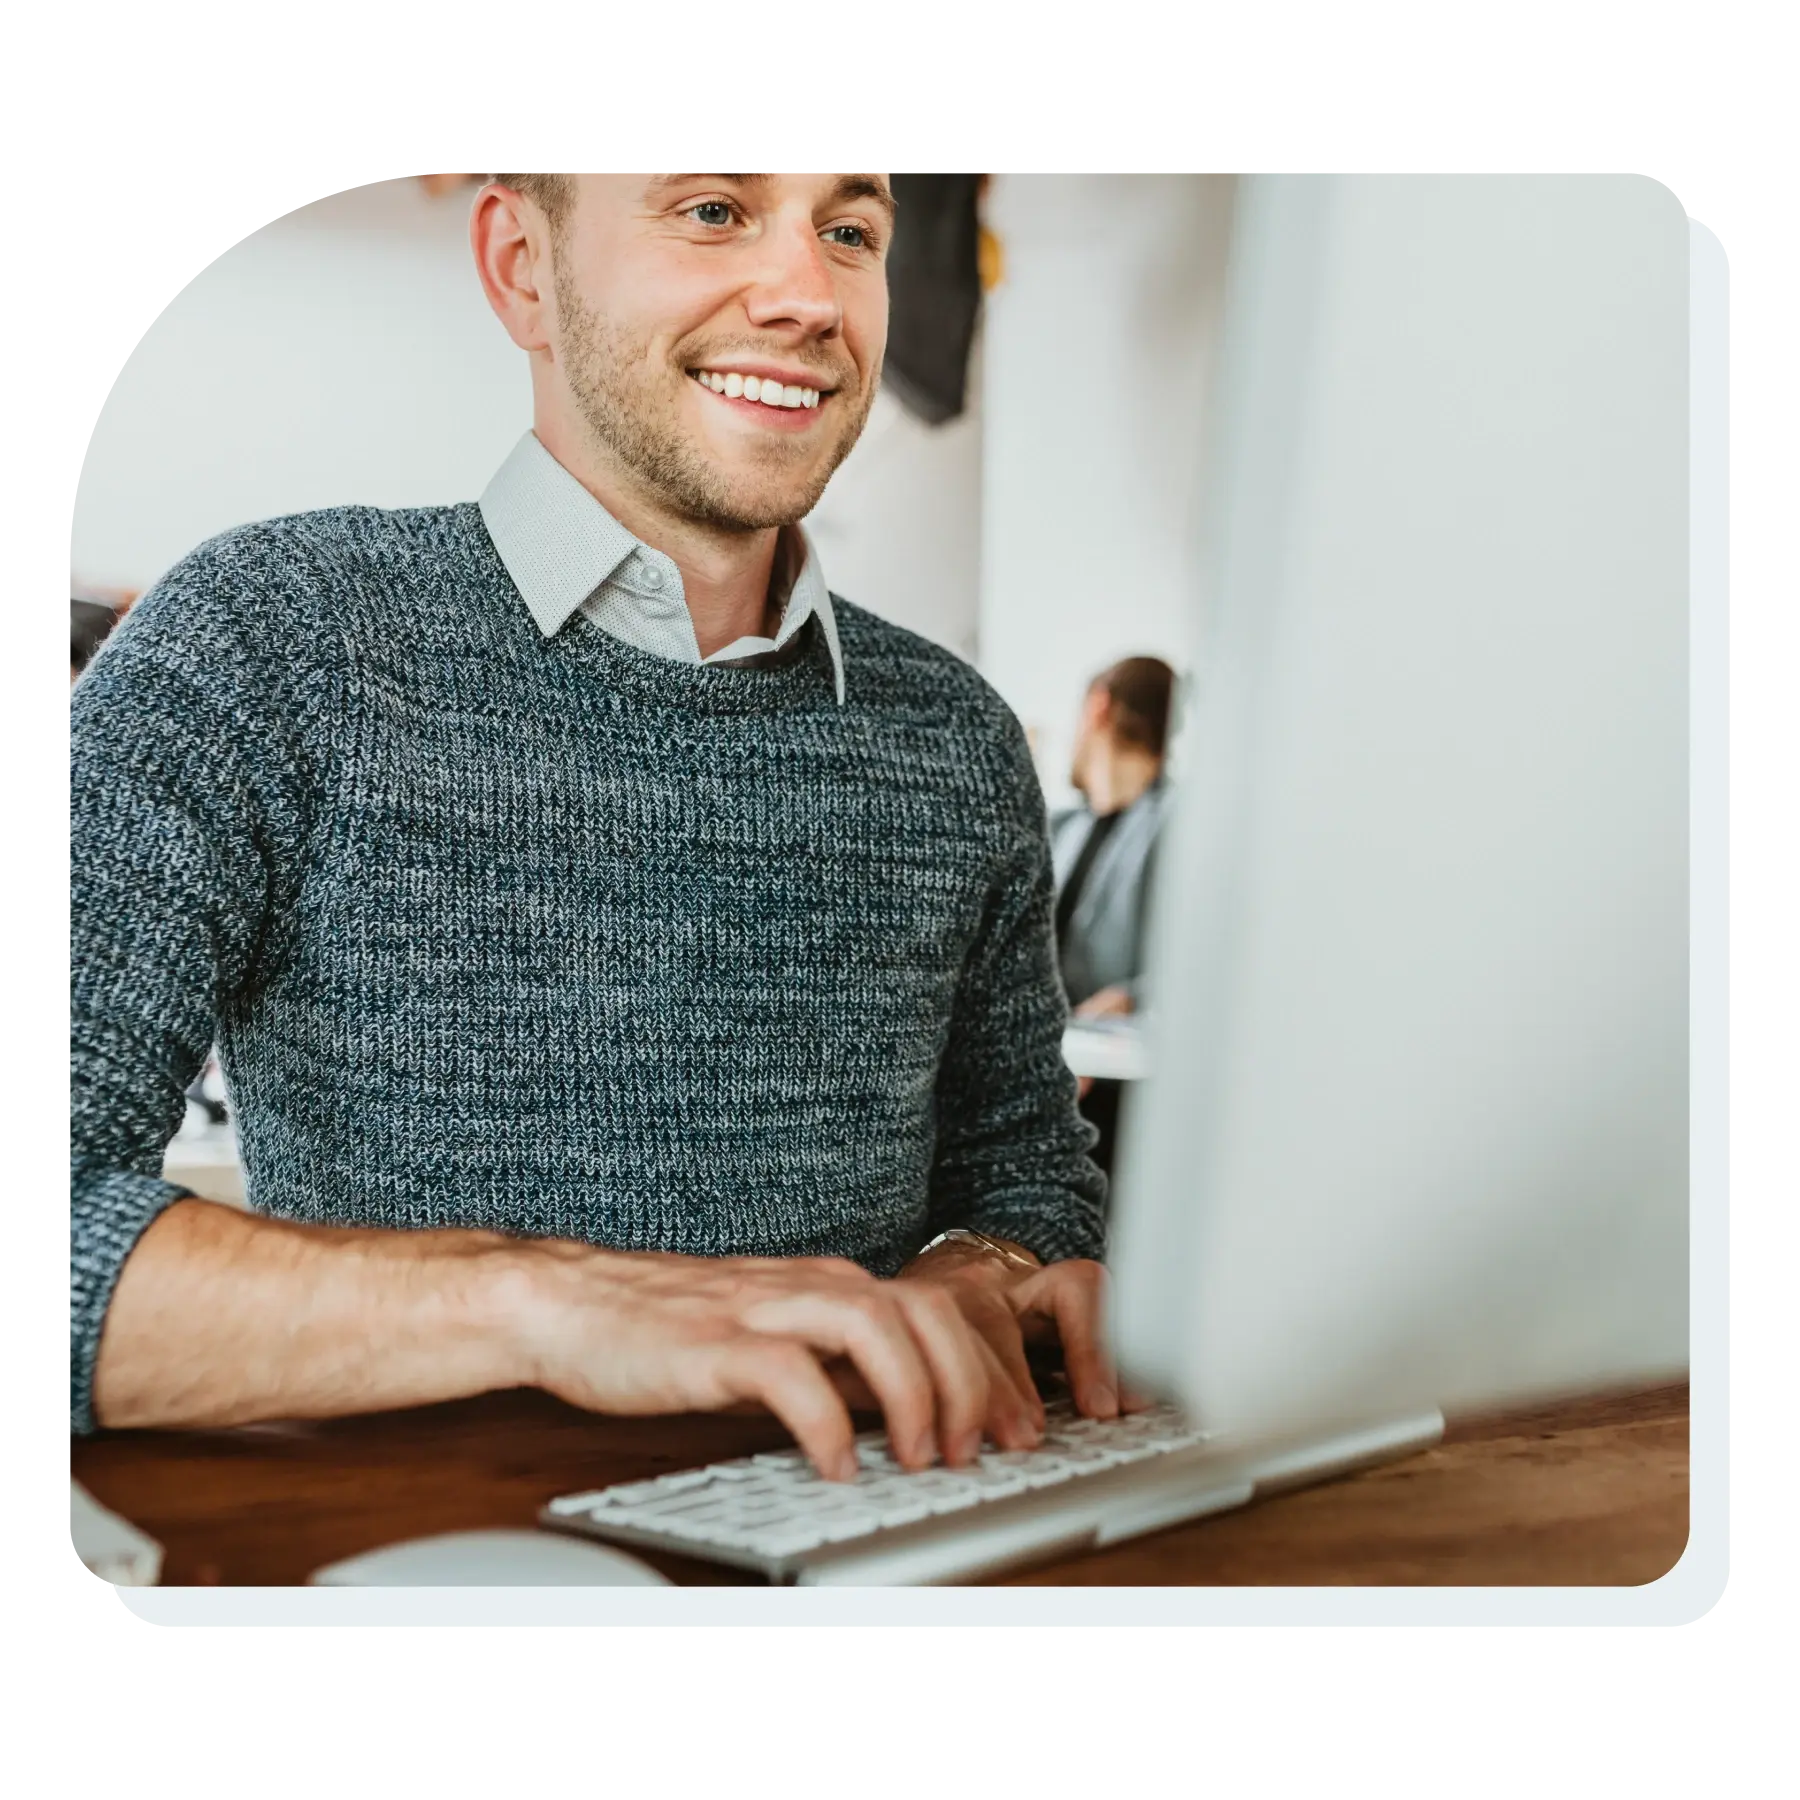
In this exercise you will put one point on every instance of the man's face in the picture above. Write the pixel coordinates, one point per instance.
(764, 283)
(1089, 728)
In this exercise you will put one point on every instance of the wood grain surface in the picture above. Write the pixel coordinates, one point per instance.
(1584, 1492)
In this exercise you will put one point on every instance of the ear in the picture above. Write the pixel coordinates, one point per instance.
(510, 239)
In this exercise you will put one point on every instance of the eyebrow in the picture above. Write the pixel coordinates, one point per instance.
(847, 187)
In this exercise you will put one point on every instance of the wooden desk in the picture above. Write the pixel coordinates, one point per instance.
(1584, 1492)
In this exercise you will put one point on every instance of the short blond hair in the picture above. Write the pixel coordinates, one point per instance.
(552, 194)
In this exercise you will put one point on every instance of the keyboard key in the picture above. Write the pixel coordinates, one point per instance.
(949, 1500)
(775, 1505)
(684, 1479)
(633, 1493)
(570, 1504)
(904, 1510)
(780, 1459)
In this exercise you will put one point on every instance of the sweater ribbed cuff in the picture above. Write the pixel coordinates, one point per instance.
(1051, 1226)
(109, 1211)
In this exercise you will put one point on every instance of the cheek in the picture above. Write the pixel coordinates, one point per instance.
(865, 306)
(661, 304)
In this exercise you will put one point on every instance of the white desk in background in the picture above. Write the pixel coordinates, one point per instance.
(204, 1159)
(1106, 1049)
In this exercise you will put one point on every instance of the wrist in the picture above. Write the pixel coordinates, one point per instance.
(974, 1256)
(520, 1293)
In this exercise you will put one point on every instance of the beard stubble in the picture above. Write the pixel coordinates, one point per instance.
(633, 416)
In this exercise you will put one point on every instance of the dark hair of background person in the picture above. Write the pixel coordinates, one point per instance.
(1142, 692)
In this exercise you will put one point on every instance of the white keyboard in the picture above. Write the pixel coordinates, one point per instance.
(776, 1514)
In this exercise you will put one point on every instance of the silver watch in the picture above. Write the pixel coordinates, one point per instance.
(961, 1234)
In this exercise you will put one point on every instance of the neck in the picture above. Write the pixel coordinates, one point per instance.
(725, 575)
(1116, 777)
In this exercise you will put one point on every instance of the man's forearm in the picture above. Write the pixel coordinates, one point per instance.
(222, 1317)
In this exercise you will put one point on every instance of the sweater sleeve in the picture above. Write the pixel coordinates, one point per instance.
(184, 827)
(1012, 1150)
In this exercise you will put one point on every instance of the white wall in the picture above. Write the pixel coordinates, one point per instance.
(1098, 366)
(345, 353)
(899, 529)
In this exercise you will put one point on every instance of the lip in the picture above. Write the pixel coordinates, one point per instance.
(767, 372)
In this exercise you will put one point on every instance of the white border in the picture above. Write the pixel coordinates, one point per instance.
(1687, 1593)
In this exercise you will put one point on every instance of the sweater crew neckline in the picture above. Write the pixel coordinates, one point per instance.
(801, 676)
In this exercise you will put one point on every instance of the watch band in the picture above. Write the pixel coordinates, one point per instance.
(961, 1234)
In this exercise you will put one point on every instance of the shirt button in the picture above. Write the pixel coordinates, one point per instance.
(653, 576)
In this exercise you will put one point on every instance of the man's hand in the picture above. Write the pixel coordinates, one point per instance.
(1110, 1003)
(1013, 1307)
(622, 1333)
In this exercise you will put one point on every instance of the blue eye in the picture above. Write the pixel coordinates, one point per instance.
(712, 206)
(857, 240)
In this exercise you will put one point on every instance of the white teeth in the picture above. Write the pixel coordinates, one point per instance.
(765, 389)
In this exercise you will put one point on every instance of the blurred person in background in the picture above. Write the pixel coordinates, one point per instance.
(1104, 854)
(632, 962)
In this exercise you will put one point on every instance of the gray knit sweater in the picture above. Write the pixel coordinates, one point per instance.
(553, 937)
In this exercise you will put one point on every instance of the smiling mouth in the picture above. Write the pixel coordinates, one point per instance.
(784, 396)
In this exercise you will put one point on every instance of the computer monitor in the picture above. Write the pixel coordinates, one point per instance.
(1417, 1127)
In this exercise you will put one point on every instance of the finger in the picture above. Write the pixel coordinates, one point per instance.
(1011, 1422)
(999, 1330)
(960, 1365)
(866, 1325)
(787, 1379)
(1070, 1294)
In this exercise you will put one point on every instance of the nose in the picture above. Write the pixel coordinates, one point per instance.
(794, 286)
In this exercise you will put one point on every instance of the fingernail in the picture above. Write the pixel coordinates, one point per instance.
(926, 1450)
(968, 1446)
(847, 1466)
(1106, 1402)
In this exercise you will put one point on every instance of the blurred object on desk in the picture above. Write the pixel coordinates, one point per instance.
(1106, 1049)
(207, 1094)
(111, 1547)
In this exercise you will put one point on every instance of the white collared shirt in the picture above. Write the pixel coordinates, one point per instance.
(566, 553)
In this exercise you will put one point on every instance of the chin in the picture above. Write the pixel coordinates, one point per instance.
(754, 502)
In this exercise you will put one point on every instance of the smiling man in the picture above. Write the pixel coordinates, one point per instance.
(632, 963)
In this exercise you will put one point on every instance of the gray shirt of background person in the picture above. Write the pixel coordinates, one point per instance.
(1105, 942)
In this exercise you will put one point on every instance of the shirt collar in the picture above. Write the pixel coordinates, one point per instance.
(561, 546)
